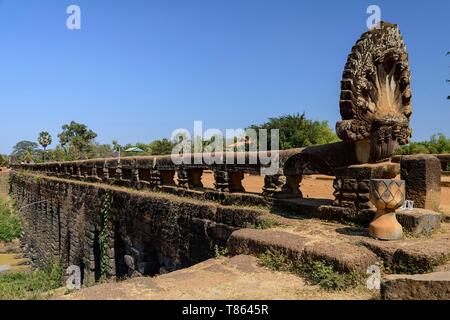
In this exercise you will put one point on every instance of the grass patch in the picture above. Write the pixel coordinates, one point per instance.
(220, 251)
(30, 285)
(322, 274)
(10, 227)
(314, 272)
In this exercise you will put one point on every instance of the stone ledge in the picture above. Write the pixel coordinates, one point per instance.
(431, 286)
(256, 242)
(344, 257)
(417, 256)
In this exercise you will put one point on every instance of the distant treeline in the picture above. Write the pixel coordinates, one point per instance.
(77, 142)
(437, 144)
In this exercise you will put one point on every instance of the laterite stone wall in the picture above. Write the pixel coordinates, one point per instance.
(147, 233)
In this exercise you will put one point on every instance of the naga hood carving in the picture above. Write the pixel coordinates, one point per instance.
(375, 99)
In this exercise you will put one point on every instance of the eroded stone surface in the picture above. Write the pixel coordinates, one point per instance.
(343, 256)
(419, 221)
(236, 278)
(422, 174)
(256, 242)
(432, 286)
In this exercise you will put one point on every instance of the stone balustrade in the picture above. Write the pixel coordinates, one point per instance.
(159, 173)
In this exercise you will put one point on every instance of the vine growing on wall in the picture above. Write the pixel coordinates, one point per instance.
(103, 238)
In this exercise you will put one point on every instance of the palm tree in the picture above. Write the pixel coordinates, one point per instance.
(45, 139)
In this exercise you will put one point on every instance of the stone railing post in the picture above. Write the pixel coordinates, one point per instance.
(221, 180)
(422, 174)
(280, 186)
(190, 178)
(134, 177)
(155, 179)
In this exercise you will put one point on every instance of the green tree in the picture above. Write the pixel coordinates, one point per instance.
(23, 148)
(161, 147)
(437, 144)
(296, 131)
(116, 147)
(57, 154)
(101, 151)
(77, 140)
(28, 157)
(44, 139)
(4, 161)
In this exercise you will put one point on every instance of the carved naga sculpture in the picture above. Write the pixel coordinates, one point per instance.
(375, 100)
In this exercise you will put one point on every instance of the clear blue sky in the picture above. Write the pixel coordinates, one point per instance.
(139, 69)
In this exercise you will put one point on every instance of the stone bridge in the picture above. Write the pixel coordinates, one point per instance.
(122, 217)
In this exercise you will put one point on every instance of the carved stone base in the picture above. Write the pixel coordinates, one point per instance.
(386, 227)
(351, 185)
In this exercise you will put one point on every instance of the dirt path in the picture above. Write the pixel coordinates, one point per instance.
(236, 278)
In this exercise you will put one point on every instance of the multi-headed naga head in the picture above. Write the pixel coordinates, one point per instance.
(376, 96)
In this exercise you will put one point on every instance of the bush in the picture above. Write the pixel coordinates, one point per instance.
(30, 285)
(314, 272)
(437, 144)
(10, 228)
(296, 131)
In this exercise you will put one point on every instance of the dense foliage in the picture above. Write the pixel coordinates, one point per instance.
(9, 222)
(4, 161)
(30, 285)
(437, 144)
(296, 131)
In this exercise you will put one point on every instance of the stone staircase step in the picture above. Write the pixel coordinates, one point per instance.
(417, 257)
(344, 257)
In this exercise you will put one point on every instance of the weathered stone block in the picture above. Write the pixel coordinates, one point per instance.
(350, 185)
(344, 257)
(432, 286)
(419, 221)
(422, 174)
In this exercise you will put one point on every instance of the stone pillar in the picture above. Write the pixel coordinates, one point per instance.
(190, 178)
(155, 179)
(135, 177)
(422, 174)
(105, 173)
(282, 187)
(273, 185)
(222, 180)
(184, 178)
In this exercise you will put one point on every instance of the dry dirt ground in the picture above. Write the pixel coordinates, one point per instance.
(236, 278)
